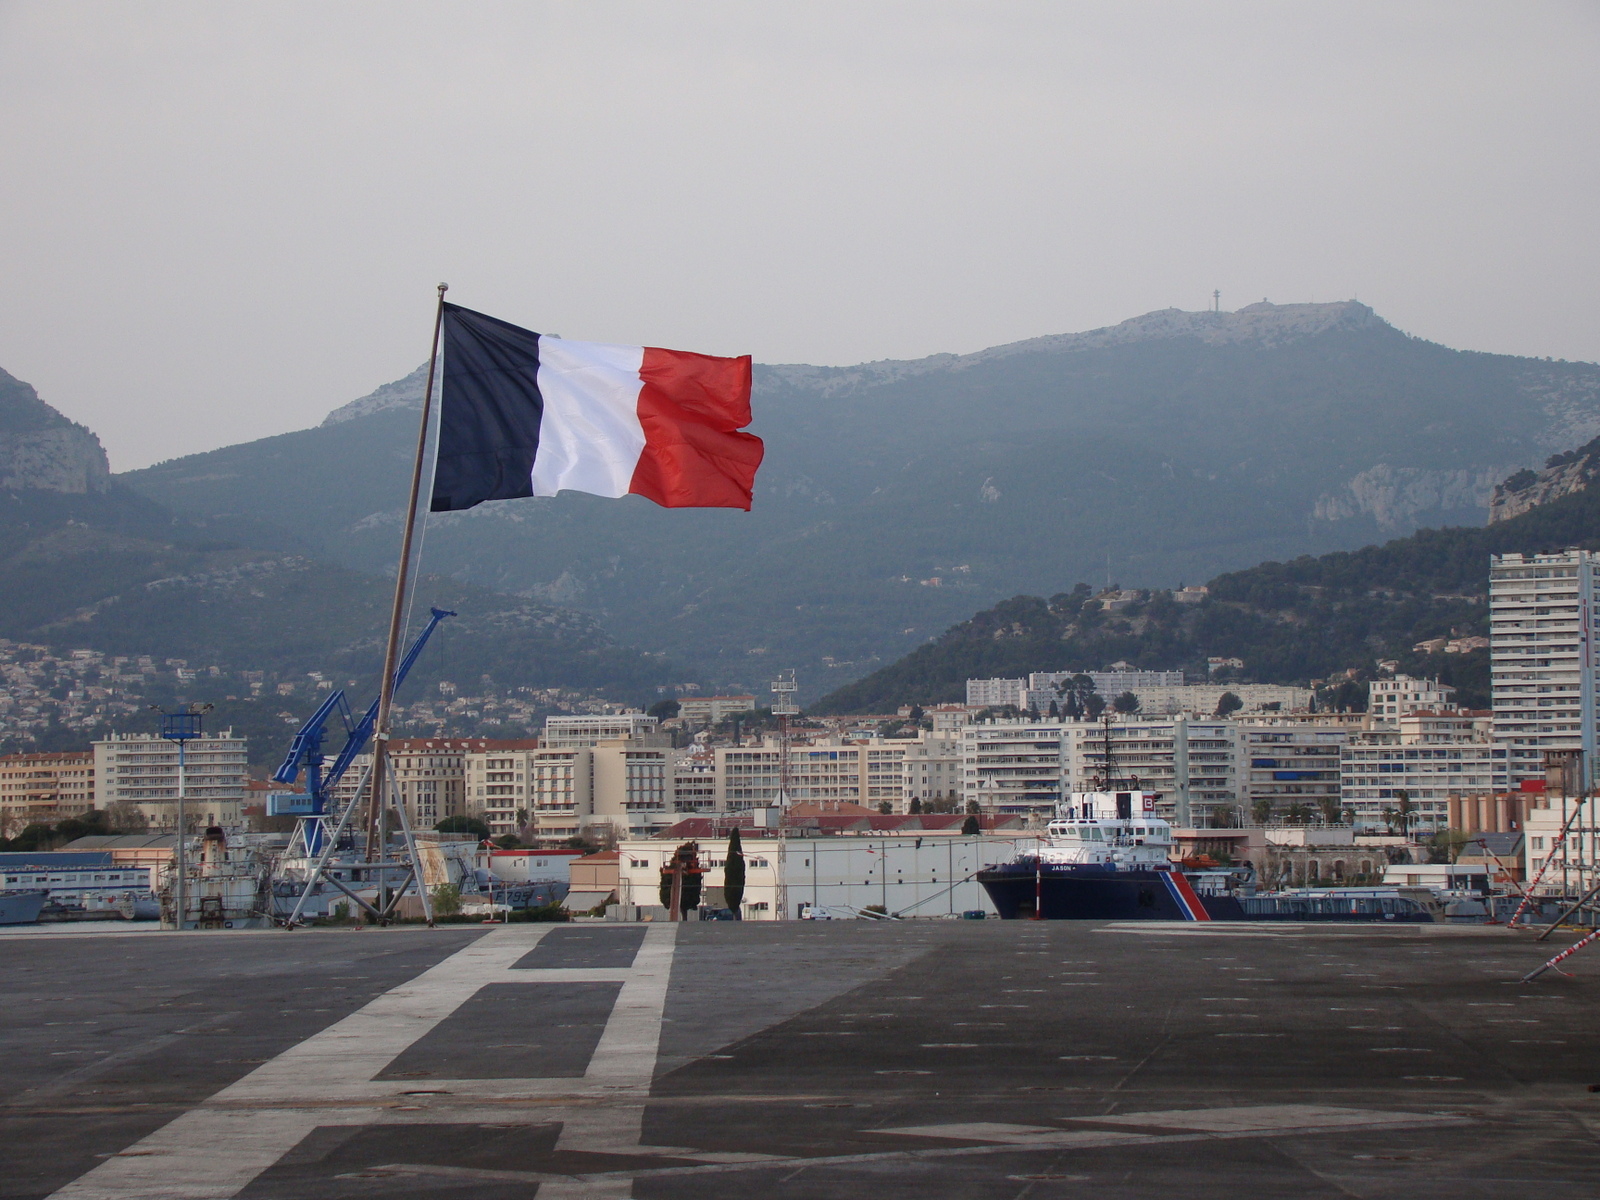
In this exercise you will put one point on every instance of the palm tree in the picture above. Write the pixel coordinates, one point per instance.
(1404, 810)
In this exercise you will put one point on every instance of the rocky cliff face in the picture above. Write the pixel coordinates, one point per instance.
(41, 450)
(1563, 474)
(402, 393)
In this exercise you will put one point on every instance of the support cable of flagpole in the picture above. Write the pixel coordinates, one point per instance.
(397, 612)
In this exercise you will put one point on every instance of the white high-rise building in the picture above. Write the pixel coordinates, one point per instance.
(1542, 661)
(141, 769)
(993, 693)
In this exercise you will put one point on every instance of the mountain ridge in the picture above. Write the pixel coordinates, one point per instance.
(898, 498)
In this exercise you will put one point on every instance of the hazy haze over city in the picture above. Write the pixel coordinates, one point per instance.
(223, 221)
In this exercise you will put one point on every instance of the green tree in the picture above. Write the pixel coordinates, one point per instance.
(1331, 811)
(915, 806)
(1297, 814)
(446, 899)
(1228, 703)
(970, 825)
(916, 714)
(664, 710)
(885, 807)
(1261, 810)
(462, 824)
(1093, 705)
(1127, 704)
(91, 824)
(733, 874)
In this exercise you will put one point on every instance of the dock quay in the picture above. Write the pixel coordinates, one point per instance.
(837, 1059)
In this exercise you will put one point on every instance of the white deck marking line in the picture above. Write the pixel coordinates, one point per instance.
(623, 1064)
(1059, 1140)
(215, 1150)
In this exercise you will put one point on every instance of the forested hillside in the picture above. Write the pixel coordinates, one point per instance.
(1311, 618)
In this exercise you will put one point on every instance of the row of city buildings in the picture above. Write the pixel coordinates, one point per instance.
(1414, 753)
(620, 774)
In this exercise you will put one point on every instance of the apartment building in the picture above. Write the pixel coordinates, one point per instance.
(868, 771)
(1541, 608)
(708, 710)
(694, 784)
(619, 787)
(1289, 765)
(498, 784)
(995, 693)
(44, 788)
(590, 729)
(430, 775)
(1156, 752)
(632, 788)
(1390, 699)
(1044, 686)
(141, 769)
(1431, 757)
(560, 785)
(1016, 768)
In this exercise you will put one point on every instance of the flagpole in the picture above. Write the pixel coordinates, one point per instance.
(380, 745)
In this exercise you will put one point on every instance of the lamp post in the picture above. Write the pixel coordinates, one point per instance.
(182, 727)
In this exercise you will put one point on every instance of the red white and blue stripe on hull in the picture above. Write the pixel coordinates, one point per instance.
(1183, 894)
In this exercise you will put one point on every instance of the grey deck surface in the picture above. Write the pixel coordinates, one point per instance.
(922, 1059)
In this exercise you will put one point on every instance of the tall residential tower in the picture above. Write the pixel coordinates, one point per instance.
(1541, 613)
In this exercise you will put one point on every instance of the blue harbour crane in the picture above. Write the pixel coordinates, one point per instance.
(306, 754)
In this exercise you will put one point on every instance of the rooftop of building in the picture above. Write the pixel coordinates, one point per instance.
(463, 745)
(839, 824)
(124, 841)
(43, 758)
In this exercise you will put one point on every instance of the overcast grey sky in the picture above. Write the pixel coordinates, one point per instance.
(222, 220)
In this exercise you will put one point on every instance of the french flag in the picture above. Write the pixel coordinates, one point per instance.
(525, 414)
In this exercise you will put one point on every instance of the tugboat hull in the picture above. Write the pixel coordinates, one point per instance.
(1098, 894)
(1083, 895)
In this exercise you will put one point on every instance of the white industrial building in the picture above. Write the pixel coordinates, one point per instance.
(917, 876)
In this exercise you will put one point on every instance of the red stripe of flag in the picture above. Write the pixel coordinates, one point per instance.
(691, 407)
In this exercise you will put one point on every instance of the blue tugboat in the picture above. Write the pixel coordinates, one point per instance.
(1107, 857)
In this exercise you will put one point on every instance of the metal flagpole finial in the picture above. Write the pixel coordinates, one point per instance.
(443, 288)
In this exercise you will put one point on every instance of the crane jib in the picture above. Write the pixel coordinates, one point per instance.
(305, 751)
